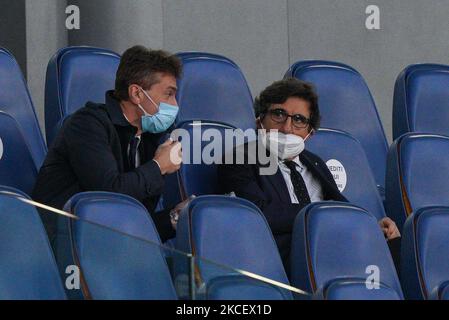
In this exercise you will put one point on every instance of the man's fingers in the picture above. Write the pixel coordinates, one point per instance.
(393, 232)
(383, 223)
(393, 228)
(389, 228)
(168, 142)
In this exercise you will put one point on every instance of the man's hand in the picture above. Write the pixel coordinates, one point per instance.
(169, 156)
(174, 213)
(389, 228)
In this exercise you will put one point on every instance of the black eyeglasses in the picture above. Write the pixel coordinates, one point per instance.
(280, 116)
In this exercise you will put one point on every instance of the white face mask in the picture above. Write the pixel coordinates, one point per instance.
(284, 146)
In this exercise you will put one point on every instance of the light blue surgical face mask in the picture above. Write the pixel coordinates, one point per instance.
(161, 120)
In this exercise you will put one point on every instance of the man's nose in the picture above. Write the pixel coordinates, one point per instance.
(287, 126)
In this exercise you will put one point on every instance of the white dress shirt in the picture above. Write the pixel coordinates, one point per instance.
(312, 184)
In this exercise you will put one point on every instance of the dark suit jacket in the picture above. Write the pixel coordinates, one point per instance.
(270, 194)
(90, 154)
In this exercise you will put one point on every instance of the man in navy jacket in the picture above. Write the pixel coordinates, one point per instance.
(291, 107)
(115, 146)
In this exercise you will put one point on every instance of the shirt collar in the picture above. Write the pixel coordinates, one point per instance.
(114, 110)
(297, 161)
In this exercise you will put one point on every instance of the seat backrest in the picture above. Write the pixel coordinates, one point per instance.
(238, 287)
(203, 148)
(28, 269)
(441, 293)
(195, 177)
(347, 162)
(421, 100)
(231, 232)
(17, 167)
(213, 88)
(355, 289)
(346, 104)
(417, 175)
(335, 239)
(76, 75)
(14, 191)
(16, 101)
(425, 252)
(118, 248)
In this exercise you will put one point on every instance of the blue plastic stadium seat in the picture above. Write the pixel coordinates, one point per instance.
(201, 178)
(197, 176)
(421, 100)
(417, 174)
(355, 289)
(17, 167)
(441, 293)
(28, 269)
(213, 88)
(237, 287)
(334, 239)
(347, 161)
(76, 75)
(346, 104)
(118, 248)
(232, 232)
(13, 191)
(16, 101)
(425, 252)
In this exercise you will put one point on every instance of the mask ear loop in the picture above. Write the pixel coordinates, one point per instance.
(143, 110)
(261, 124)
(152, 101)
(310, 133)
(265, 131)
(260, 121)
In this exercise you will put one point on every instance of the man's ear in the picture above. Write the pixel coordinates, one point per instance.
(134, 94)
(258, 123)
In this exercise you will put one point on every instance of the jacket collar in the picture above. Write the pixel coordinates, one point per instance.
(312, 165)
(115, 111)
(330, 190)
(278, 182)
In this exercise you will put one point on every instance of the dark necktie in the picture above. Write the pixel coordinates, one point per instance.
(298, 184)
(133, 145)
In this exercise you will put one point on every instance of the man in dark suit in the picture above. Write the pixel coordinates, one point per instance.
(291, 107)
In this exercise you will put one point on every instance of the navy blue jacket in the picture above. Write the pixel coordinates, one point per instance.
(270, 194)
(90, 154)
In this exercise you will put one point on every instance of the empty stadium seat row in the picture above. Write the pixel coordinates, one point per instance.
(120, 257)
(323, 262)
(117, 248)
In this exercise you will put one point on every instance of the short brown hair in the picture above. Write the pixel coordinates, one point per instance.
(139, 65)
